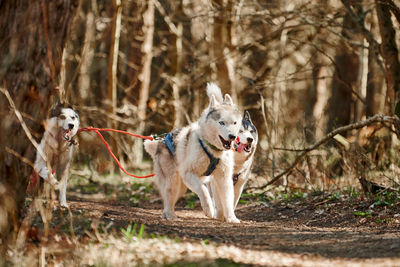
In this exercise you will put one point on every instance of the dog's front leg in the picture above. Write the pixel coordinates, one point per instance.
(64, 174)
(218, 208)
(63, 189)
(43, 171)
(238, 189)
(240, 184)
(193, 182)
(224, 192)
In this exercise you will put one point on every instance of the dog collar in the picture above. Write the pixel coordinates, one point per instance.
(212, 146)
(213, 160)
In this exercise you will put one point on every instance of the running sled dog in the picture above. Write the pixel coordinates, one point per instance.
(192, 156)
(245, 147)
(57, 145)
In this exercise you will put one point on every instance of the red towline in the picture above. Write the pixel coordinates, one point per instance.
(98, 130)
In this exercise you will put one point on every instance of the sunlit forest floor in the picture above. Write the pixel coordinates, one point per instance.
(117, 221)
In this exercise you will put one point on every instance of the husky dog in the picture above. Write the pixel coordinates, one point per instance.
(57, 145)
(189, 155)
(245, 147)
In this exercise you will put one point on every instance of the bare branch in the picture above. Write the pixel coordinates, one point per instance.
(23, 124)
(326, 138)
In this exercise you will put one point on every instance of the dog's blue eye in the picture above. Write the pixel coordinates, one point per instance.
(222, 123)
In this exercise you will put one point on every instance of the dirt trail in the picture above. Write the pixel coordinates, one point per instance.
(333, 234)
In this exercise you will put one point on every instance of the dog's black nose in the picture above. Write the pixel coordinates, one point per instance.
(250, 140)
(232, 137)
(71, 126)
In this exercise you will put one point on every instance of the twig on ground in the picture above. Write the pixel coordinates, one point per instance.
(357, 125)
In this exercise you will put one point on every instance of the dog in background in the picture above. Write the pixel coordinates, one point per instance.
(57, 145)
(188, 157)
(245, 147)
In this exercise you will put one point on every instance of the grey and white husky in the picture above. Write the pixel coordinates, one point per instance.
(245, 147)
(189, 156)
(57, 144)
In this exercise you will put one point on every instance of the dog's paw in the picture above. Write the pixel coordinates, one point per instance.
(232, 220)
(53, 181)
(168, 215)
(64, 204)
(209, 213)
(220, 217)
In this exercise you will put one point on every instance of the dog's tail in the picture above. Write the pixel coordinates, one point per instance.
(214, 90)
(151, 147)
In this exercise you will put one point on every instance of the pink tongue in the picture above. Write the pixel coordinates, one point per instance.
(240, 148)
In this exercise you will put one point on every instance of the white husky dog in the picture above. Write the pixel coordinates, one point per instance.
(58, 144)
(187, 156)
(245, 147)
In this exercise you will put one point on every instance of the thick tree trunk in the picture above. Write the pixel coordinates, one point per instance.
(33, 35)
(223, 65)
(374, 101)
(390, 55)
(87, 56)
(346, 83)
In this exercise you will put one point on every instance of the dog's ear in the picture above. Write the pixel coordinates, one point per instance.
(247, 116)
(228, 100)
(55, 111)
(213, 102)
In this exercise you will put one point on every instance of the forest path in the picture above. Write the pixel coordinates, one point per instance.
(301, 233)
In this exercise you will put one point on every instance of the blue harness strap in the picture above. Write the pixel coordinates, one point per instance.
(169, 143)
(213, 160)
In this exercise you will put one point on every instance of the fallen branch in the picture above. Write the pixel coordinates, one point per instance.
(326, 138)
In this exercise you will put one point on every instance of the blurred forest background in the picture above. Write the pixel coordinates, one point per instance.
(301, 68)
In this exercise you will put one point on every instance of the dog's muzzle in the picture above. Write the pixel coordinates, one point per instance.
(226, 143)
(239, 147)
(66, 134)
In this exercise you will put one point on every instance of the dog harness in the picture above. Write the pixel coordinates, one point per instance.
(213, 160)
(169, 143)
(235, 178)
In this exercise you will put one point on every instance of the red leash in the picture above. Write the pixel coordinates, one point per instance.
(98, 130)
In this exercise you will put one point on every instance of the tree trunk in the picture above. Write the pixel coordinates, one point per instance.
(176, 66)
(374, 101)
(390, 56)
(87, 56)
(113, 57)
(33, 37)
(342, 105)
(145, 76)
(222, 65)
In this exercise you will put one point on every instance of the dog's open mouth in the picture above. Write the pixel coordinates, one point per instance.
(66, 134)
(226, 144)
(240, 147)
